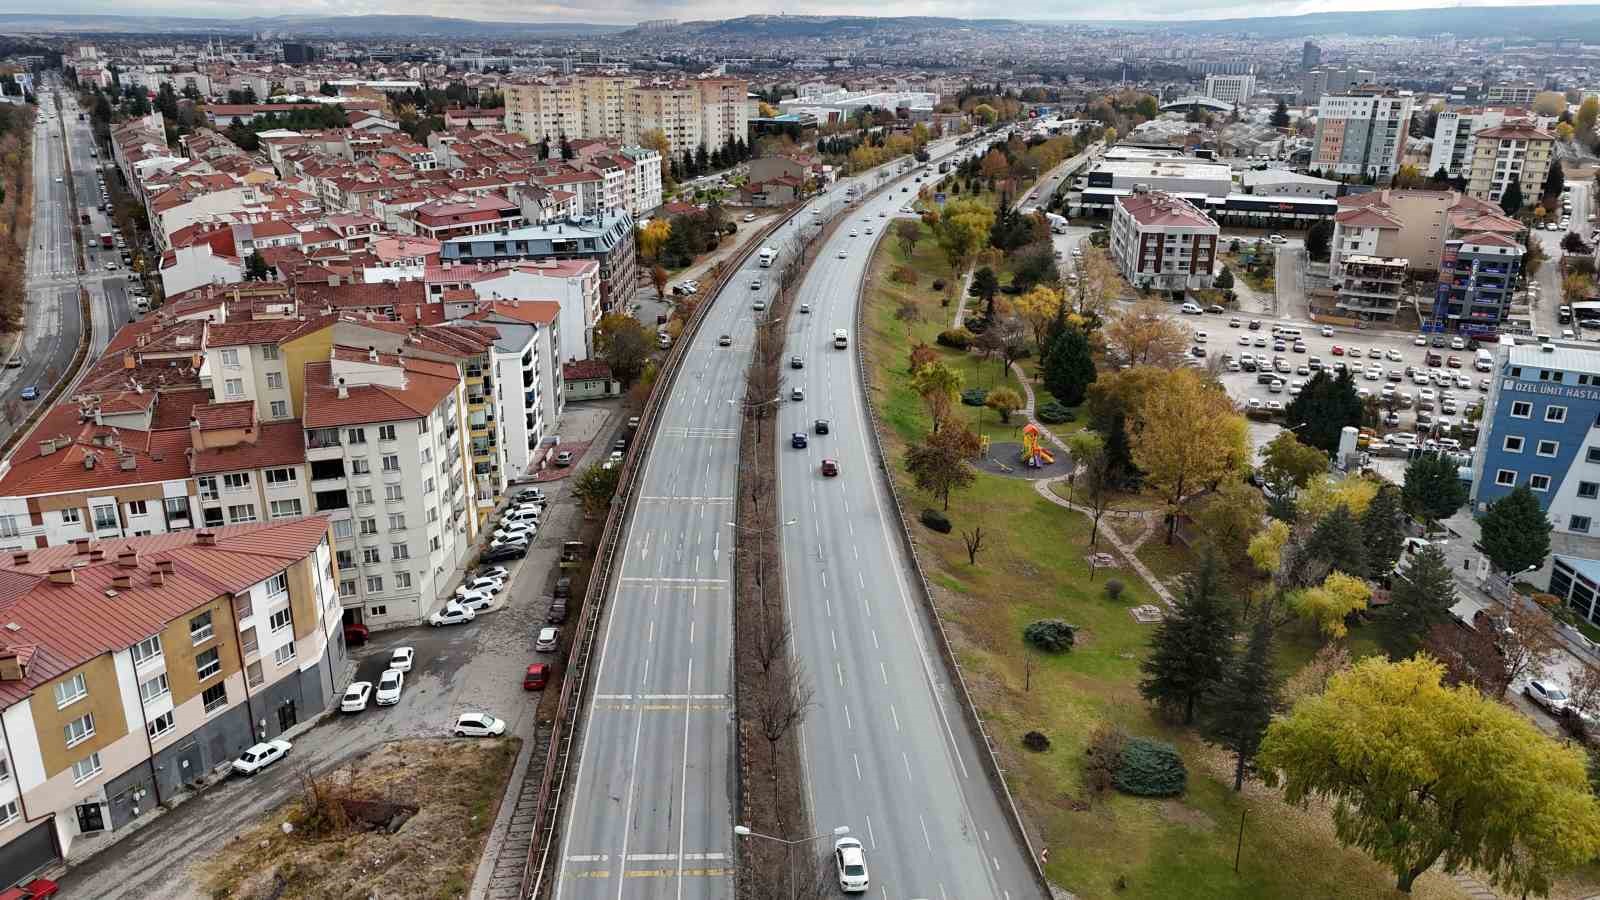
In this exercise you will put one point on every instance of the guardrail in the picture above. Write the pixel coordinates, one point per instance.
(969, 711)
(564, 726)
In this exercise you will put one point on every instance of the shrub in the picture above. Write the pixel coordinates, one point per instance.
(976, 324)
(1103, 756)
(1114, 588)
(1053, 413)
(1548, 601)
(1036, 741)
(974, 396)
(955, 338)
(936, 520)
(904, 275)
(922, 355)
(938, 284)
(1052, 635)
(1150, 768)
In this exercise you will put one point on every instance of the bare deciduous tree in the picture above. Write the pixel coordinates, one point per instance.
(770, 644)
(974, 542)
(782, 702)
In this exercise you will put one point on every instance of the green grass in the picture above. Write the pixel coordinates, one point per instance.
(1032, 566)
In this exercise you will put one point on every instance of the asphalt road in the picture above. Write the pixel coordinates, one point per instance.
(887, 753)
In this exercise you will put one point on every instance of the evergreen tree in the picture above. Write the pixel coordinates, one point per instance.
(566, 148)
(1381, 532)
(1515, 532)
(1511, 200)
(702, 161)
(255, 268)
(1280, 115)
(688, 163)
(1245, 702)
(1420, 597)
(1440, 179)
(1554, 181)
(1326, 405)
(1190, 649)
(1068, 366)
(1319, 240)
(1336, 543)
(1432, 489)
(544, 147)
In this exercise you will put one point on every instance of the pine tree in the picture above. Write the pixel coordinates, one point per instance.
(1190, 649)
(1432, 489)
(702, 161)
(1421, 596)
(1245, 702)
(1335, 543)
(1381, 532)
(1068, 367)
(1515, 532)
(1511, 200)
(566, 148)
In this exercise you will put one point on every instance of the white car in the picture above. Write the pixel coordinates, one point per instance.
(400, 660)
(356, 696)
(1392, 355)
(479, 725)
(1200, 337)
(549, 639)
(1327, 331)
(515, 532)
(498, 573)
(1244, 340)
(389, 686)
(843, 254)
(1374, 374)
(850, 860)
(452, 614)
(1277, 239)
(1544, 693)
(483, 584)
(260, 756)
(852, 232)
(497, 543)
(1419, 342)
(473, 600)
(1191, 309)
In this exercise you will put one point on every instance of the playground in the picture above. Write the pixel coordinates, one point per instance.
(1029, 460)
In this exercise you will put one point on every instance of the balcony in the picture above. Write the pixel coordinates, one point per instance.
(327, 501)
(241, 608)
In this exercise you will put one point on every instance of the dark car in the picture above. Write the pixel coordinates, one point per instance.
(821, 426)
(830, 467)
(31, 392)
(796, 362)
(558, 612)
(502, 554)
(798, 440)
(563, 587)
(1255, 324)
(355, 633)
(620, 443)
(1215, 308)
(1437, 343)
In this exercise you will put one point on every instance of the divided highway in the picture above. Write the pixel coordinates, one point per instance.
(887, 751)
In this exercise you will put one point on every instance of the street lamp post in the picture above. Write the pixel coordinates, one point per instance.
(790, 844)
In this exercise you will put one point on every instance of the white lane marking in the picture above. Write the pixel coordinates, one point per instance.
(907, 761)
(927, 840)
(651, 635)
(589, 857)
(691, 632)
(996, 861)
(840, 672)
(874, 638)
(872, 837)
(683, 796)
(847, 725)
(857, 759)
(834, 640)
(896, 717)
(633, 776)
(884, 673)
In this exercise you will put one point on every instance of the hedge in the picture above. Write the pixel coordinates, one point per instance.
(955, 338)
(1053, 413)
(936, 520)
(1150, 769)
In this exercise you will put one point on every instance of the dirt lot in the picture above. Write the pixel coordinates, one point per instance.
(453, 785)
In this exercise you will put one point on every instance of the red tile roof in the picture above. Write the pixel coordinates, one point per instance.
(586, 370)
(239, 414)
(425, 388)
(1157, 209)
(276, 444)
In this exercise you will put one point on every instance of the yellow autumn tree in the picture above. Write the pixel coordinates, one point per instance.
(1329, 603)
(1186, 436)
(1038, 308)
(1322, 493)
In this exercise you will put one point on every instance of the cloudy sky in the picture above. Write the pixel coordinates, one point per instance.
(629, 11)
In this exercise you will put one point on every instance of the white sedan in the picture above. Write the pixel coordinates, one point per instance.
(473, 600)
(452, 614)
(400, 660)
(479, 725)
(850, 861)
(483, 584)
(389, 686)
(356, 696)
(260, 756)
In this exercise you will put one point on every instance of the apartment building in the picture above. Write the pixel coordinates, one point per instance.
(691, 113)
(1369, 288)
(1477, 279)
(606, 240)
(1413, 225)
(386, 445)
(1362, 132)
(1163, 242)
(1455, 137)
(527, 385)
(574, 284)
(1514, 93)
(1516, 151)
(134, 668)
(1324, 80)
(1234, 89)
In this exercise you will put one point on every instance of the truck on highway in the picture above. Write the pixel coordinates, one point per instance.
(841, 339)
(767, 255)
(107, 240)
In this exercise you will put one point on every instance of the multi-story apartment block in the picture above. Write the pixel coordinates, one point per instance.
(132, 669)
(386, 447)
(1163, 242)
(1514, 93)
(1369, 288)
(527, 384)
(672, 109)
(1324, 80)
(1413, 225)
(607, 240)
(574, 284)
(691, 113)
(1477, 279)
(1235, 89)
(1516, 151)
(1455, 137)
(1362, 132)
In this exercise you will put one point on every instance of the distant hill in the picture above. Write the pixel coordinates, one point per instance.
(1514, 23)
(301, 26)
(825, 27)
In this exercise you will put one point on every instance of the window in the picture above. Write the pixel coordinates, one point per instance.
(1588, 490)
(356, 435)
(1555, 413)
(154, 688)
(269, 351)
(374, 584)
(200, 627)
(1539, 482)
(244, 512)
(433, 515)
(385, 432)
(427, 485)
(363, 495)
(391, 462)
(137, 508)
(207, 664)
(347, 588)
(344, 558)
(160, 725)
(215, 697)
(75, 516)
(1578, 523)
(1521, 409)
(275, 380)
(371, 555)
(8, 812)
(379, 610)
(283, 654)
(230, 358)
(1513, 444)
(433, 544)
(147, 649)
(369, 526)
(427, 455)
(236, 481)
(1506, 478)
(394, 492)
(5, 769)
(280, 619)
(422, 425)
(252, 674)
(282, 476)
(8, 526)
(343, 528)
(105, 517)
(71, 691)
(360, 467)
(86, 768)
(402, 580)
(233, 387)
(79, 730)
(399, 551)
(397, 522)
(280, 409)
(285, 509)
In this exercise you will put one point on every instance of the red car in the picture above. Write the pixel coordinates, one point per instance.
(33, 890)
(538, 675)
(1453, 362)
(1338, 350)
(830, 467)
(355, 633)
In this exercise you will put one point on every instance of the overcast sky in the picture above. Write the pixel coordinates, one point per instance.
(630, 11)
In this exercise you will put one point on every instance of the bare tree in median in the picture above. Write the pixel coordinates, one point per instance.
(782, 702)
(770, 644)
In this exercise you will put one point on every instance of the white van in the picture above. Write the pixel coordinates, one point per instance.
(1483, 360)
(1285, 331)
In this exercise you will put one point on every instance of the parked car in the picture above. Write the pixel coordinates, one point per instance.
(1546, 694)
(478, 725)
(452, 614)
(558, 612)
(473, 600)
(356, 696)
(537, 676)
(487, 584)
(536, 495)
(402, 657)
(504, 553)
(260, 756)
(389, 686)
(548, 640)
(355, 633)
(563, 459)
(31, 392)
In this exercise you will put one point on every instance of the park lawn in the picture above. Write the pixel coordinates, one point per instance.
(1032, 565)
